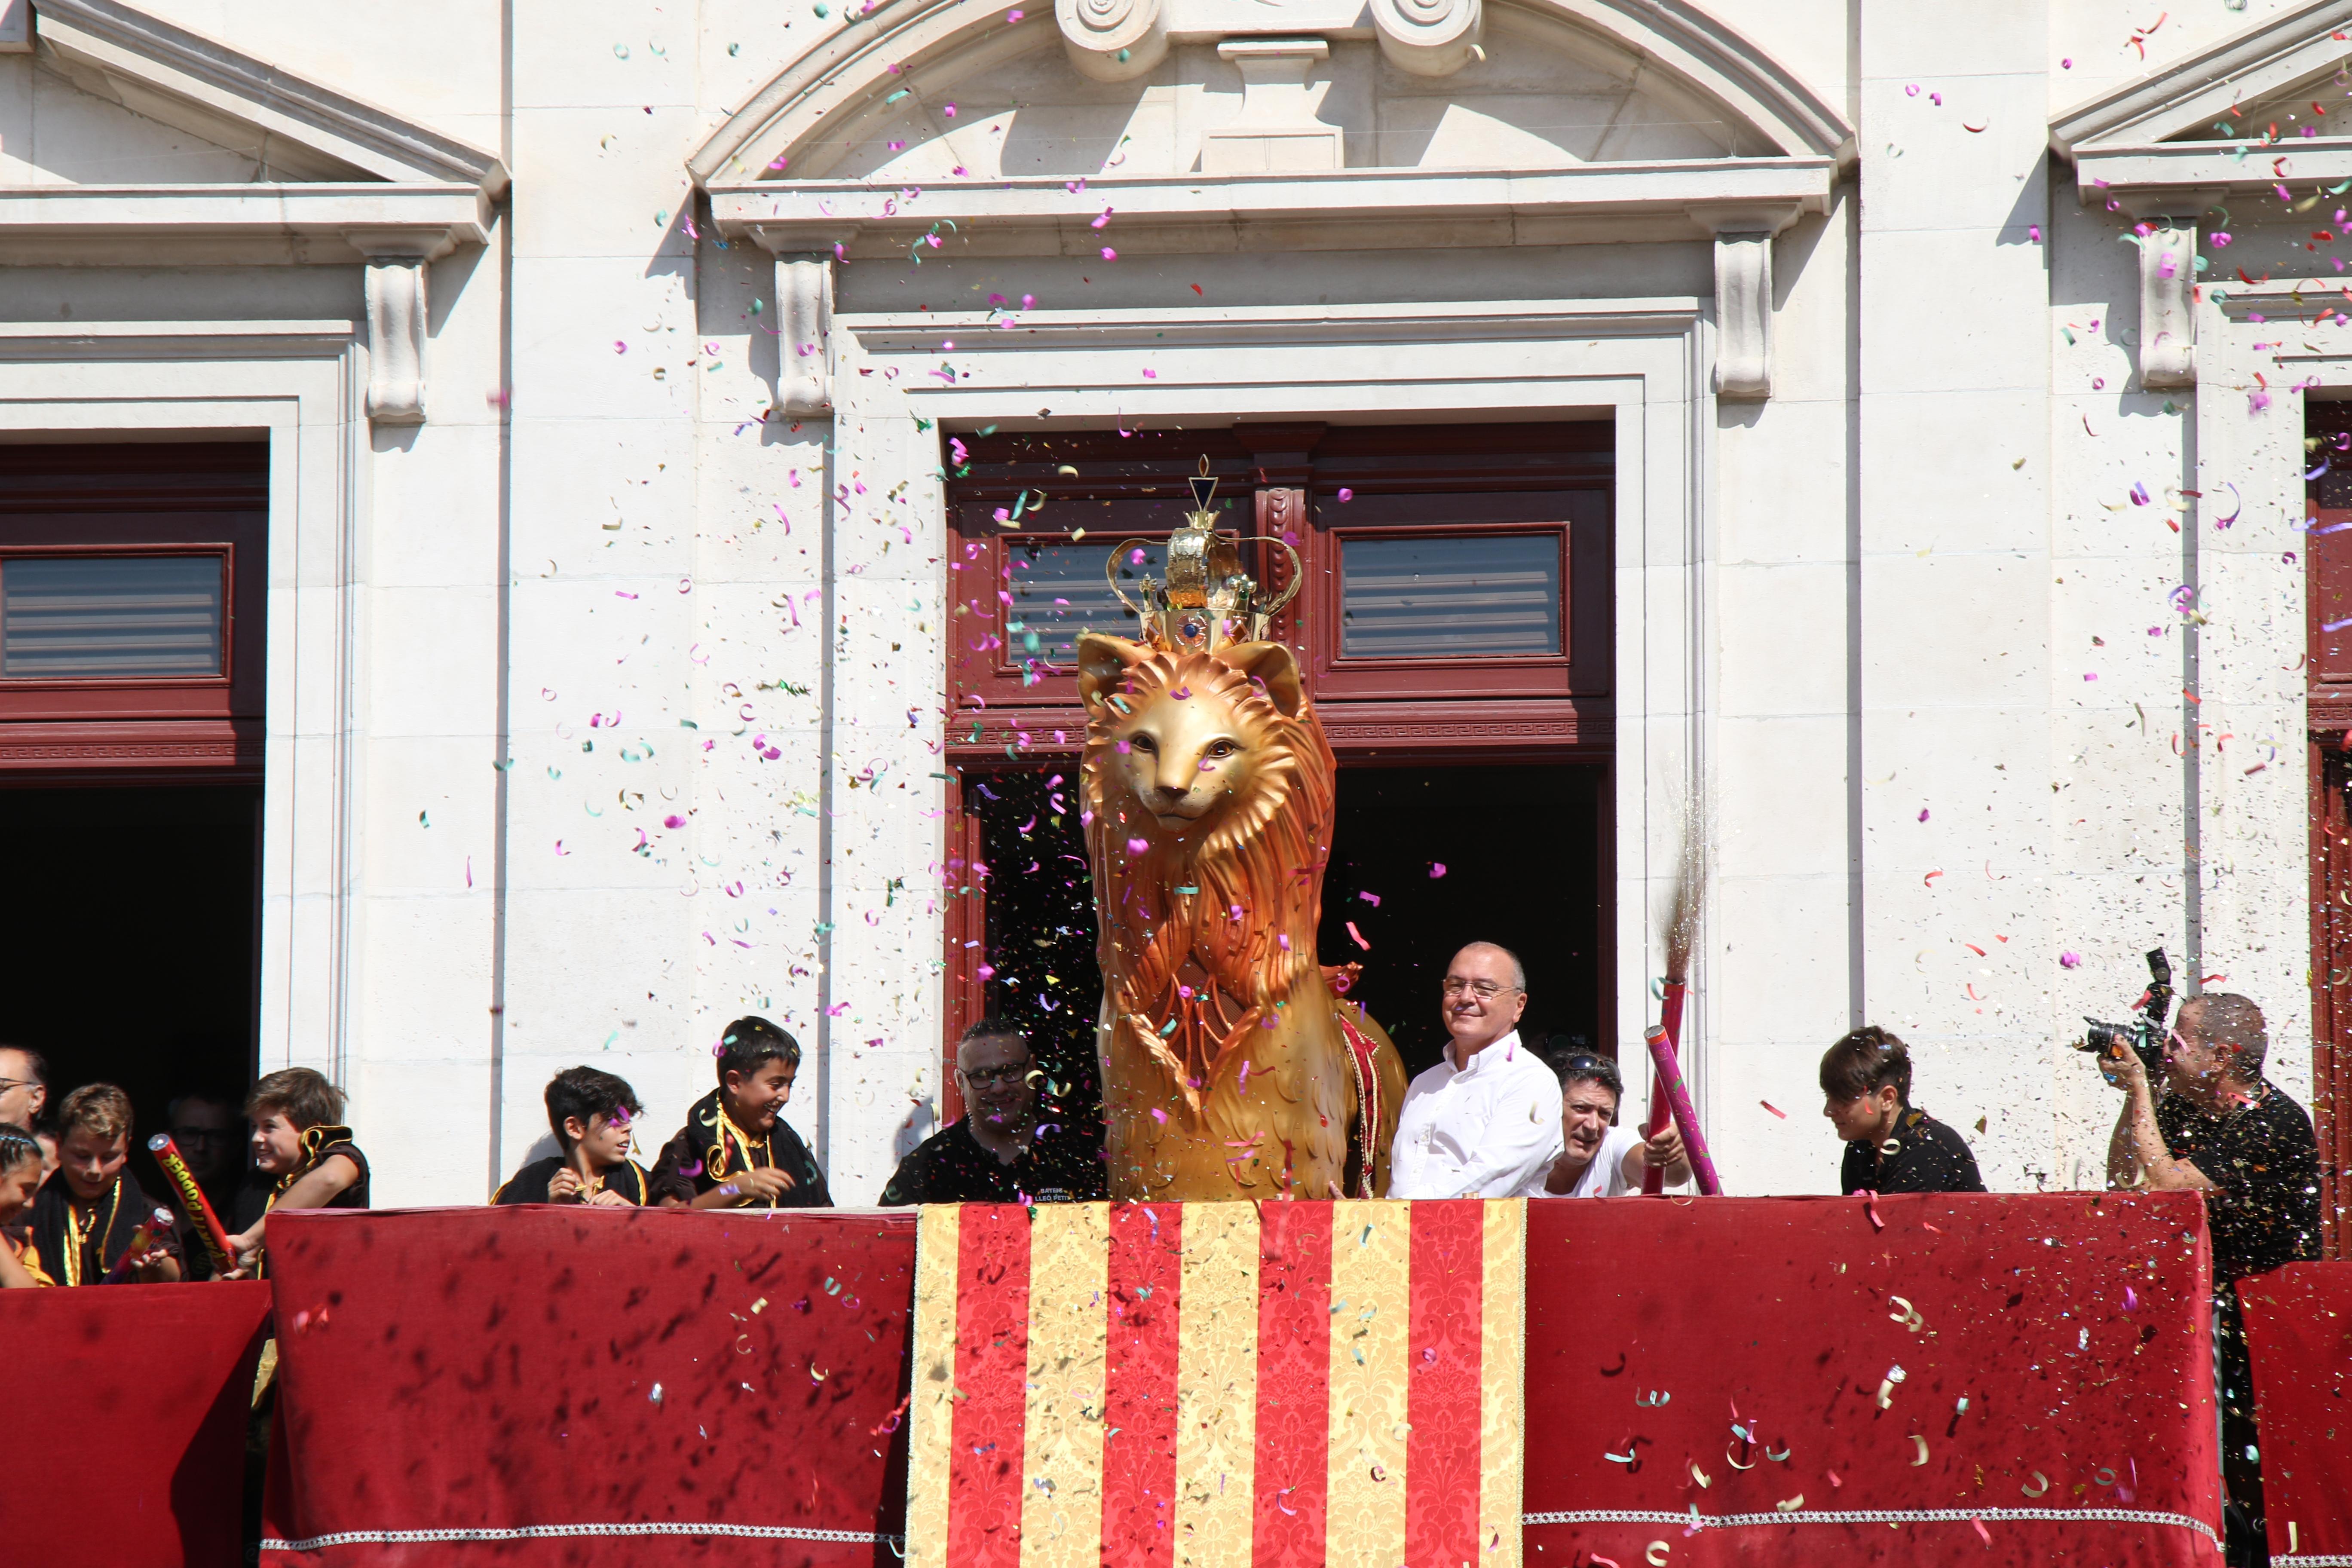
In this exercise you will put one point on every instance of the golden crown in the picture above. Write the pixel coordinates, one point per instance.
(1206, 601)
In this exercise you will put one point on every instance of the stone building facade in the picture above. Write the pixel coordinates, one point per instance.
(666, 427)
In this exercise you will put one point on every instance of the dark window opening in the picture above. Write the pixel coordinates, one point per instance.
(127, 949)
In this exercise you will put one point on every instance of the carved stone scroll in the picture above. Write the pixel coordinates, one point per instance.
(1113, 40)
(2167, 314)
(1743, 312)
(804, 340)
(1428, 38)
(396, 320)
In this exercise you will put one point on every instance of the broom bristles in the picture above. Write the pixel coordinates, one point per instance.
(1685, 896)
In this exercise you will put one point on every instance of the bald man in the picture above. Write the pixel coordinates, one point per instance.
(1485, 1121)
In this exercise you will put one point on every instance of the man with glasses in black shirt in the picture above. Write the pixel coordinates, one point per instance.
(2224, 1132)
(1010, 1144)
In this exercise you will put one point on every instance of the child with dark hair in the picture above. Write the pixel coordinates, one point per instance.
(21, 1164)
(301, 1145)
(735, 1150)
(85, 1221)
(1891, 1146)
(592, 1115)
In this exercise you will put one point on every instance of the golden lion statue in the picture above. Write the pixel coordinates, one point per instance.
(1227, 1068)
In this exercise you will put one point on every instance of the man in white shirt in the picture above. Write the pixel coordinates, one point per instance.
(1484, 1119)
(1591, 1158)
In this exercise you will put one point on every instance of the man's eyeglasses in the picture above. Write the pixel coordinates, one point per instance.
(8, 1083)
(1485, 990)
(989, 1078)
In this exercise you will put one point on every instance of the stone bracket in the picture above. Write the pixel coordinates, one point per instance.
(396, 329)
(1743, 296)
(804, 333)
(2167, 288)
(397, 318)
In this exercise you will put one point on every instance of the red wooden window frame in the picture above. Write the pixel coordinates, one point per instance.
(1581, 668)
(191, 498)
(2327, 600)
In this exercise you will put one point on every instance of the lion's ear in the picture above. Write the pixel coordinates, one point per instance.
(1270, 663)
(1103, 663)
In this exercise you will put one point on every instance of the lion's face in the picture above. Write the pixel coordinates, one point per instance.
(1188, 741)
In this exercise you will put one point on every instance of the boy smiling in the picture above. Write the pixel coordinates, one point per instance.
(735, 1150)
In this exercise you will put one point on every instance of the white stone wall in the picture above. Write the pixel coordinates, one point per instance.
(596, 589)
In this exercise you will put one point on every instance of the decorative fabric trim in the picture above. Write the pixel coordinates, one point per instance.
(2332, 1560)
(1911, 1516)
(569, 1532)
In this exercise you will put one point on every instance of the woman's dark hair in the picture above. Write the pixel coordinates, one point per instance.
(16, 1146)
(586, 1093)
(1865, 1061)
(747, 1042)
(303, 1095)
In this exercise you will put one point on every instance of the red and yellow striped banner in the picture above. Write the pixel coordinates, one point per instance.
(1218, 1385)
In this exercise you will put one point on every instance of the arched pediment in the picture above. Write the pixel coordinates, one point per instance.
(1618, 110)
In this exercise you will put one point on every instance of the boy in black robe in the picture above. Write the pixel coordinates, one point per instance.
(735, 1150)
(85, 1216)
(301, 1146)
(1891, 1145)
(592, 1114)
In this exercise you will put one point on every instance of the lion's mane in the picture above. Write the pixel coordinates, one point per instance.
(1242, 898)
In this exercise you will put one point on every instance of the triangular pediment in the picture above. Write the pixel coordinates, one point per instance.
(2219, 93)
(154, 103)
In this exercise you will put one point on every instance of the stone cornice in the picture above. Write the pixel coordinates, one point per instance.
(341, 223)
(1345, 209)
(2159, 177)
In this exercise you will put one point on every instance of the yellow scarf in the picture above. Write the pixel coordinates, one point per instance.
(78, 1235)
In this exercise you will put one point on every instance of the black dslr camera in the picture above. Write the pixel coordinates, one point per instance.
(2146, 1033)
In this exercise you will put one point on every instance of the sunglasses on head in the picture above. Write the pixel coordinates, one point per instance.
(1598, 1068)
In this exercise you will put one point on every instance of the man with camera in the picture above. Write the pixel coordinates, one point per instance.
(2224, 1132)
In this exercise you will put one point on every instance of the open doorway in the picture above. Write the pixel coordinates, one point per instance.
(1520, 849)
(127, 954)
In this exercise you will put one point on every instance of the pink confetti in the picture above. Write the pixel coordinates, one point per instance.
(673, 821)
(1773, 1108)
(1371, 898)
(1108, 254)
(1437, 869)
(1346, 494)
(1923, 813)
(2070, 961)
(1138, 846)
(1358, 937)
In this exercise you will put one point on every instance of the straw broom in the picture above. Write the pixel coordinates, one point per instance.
(1669, 1095)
